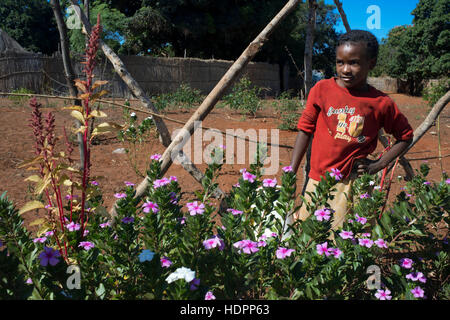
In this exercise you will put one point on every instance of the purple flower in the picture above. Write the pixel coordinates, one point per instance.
(447, 181)
(49, 233)
(165, 262)
(156, 157)
(237, 185)
(380, 243)
(346, 234)
(364, 196)
(287, 169)
(427, 183)
(150, 206)
(209, 296)
(173, 198)
(269, 183)
(235, 212)
(86, 245)
(49, 255)
(365, 242)
(94, 183)
(336, 174)
(106, 224)
(417, 292)
(73, 226)
(322, 214)
(283, 253)
(194, 284)
(129, 184)
(120, 195)
(40, 240)
(29, 281)
(383, 294)
(406, 263)
(214, 242)
(160, 183)
(195, 208)
(128, 220)
(323, 249)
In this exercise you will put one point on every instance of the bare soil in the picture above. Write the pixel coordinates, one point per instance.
(17, 145)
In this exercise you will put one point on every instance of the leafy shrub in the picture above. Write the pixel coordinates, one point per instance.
(183, 97)
(19, 99)
(288, 109)
(244, 97)
(434, 92)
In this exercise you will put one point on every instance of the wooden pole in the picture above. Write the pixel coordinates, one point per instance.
(343, 15)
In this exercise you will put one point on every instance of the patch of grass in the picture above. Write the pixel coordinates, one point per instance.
(288, 107)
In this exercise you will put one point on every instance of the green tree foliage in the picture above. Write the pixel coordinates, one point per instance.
(30, 23)
(112, 23)
(419, 51)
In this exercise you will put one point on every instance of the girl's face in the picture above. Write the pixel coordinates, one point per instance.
(353, 65)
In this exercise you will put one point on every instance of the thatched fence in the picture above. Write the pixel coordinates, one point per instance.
(45, 74)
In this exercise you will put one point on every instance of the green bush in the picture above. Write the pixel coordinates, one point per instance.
(435, 91)
(288, 108)
(244, 96)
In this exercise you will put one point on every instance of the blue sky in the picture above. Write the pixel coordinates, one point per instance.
(392, 13)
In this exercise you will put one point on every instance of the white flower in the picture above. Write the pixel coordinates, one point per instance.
(371, 182)
(133, 115)
(181, 273)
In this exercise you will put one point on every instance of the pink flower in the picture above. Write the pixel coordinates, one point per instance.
(94, 183)
(287, 169)
(364, 196)
(86, 245)
(322, 214)
(29, 281)
(156, 156)
(383, 294)
(406, 263)
(73, 226)
(120, 195)
(160, 183)
(283, 252)
(269, 183)
(214, 242)
(380, 243)
(336, 252)
(447, 181)
(237, 185)
(173, 178)
(40, 240)
(248, 176)
(361, 220)
(365, 235)
(346, 234)
(365, 242)
(129, 184)
(414, 276)
(209, 296)
(323, 249)
(235, 212)
(262, 243)
(247, 246)
(427, 183)
(150, 206)
(49, 255)
(195, 208)
(417, 292)
(336, 174)
(165, 262)
(49, 233)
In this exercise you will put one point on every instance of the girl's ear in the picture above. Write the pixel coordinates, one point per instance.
(372, 63)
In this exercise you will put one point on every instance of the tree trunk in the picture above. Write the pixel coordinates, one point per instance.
(69, 73)
(309, 44)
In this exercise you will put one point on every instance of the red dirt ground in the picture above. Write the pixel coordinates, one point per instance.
(17, 145)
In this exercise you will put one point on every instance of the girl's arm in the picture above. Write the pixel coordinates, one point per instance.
(301, 144)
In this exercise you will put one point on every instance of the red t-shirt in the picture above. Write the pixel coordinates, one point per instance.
(345, 125)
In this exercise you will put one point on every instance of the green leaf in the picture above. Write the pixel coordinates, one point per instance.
(31, 205)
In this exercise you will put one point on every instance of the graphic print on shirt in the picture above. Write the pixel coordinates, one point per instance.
(354, 128)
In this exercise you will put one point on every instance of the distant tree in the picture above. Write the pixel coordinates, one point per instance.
(420, 51)
(112, 23)
(31, 23)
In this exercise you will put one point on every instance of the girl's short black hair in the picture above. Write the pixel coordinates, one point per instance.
(358, 36)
